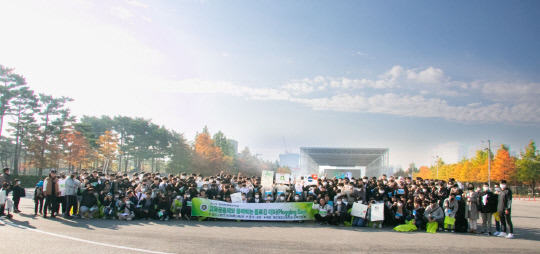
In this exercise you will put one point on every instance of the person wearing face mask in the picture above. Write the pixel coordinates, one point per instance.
(451, 207)
(186, 206)
(471, 209)
(496, 191)
(339, 212)
(487, 205)
(176, 206)
(280, 199)
(72, 186)
(18, 193)
(399, 213)
(434, 213)
(505, 210)
(379, 193)
(256, 198)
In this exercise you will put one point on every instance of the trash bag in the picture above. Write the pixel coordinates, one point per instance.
(449, 220)
(407, 227)
(496, 216)
(432, 227)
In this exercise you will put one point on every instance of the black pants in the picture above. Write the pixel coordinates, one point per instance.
(327, 218)
(339, 219)
(62, 201)
(186, 211)
(506, 219)
(71, 201)
(50, 204)
(2, 207)
(38, 203)
(16, 201)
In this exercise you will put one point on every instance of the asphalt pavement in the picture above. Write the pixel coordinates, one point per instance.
(26, 233)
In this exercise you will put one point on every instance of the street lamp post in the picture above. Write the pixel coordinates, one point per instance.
(437, 161)
(489, 162)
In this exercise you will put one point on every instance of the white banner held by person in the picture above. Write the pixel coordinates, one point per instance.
(236, 197)
(283, 178)
(377, 212)
(267, 178)
(359, 210)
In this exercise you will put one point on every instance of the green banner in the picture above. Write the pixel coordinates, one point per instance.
(252, 211)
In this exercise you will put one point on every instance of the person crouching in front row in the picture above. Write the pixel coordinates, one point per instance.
(324, 217)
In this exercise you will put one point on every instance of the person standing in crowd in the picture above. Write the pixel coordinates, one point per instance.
(6, 178)
(39, 196)
(324, 217)
(62, 193)
(471, 210)
(18, 193)
(3, 198)
(487, 205)
(50, 189)
(505, 210)
(71, 188)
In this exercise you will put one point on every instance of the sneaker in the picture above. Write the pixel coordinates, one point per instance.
(129, 219)
(510, 236)
(453, 231)
(440, 229)
(496, 233)
(502, 234)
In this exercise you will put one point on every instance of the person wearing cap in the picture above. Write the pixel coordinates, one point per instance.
(39, 196)
(71, 187)
(108, 206)
(51, 191)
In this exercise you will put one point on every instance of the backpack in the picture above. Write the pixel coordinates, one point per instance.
(39, 193)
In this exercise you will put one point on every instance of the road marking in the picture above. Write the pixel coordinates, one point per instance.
(7, 222)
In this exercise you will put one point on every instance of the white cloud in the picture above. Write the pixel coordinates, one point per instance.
(123, 13)
(360, 53)
(491, 101)
(136, 3)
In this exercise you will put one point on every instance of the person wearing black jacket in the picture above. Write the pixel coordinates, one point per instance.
(88, 204)
(339, 212)
(18, 193)
(108, 204)
(505, 210)
(487, 206)
(146, 206)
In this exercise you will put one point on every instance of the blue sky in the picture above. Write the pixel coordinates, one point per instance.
(407, 75)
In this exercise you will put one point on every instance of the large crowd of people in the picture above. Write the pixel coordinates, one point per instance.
(455, 206)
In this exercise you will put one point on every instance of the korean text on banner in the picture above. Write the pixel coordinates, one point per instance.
(252, 211)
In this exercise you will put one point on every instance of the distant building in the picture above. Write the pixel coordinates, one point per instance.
(450, 153)
(291, 160)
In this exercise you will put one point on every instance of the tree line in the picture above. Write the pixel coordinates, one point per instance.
(522, 169)
(42, 134)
